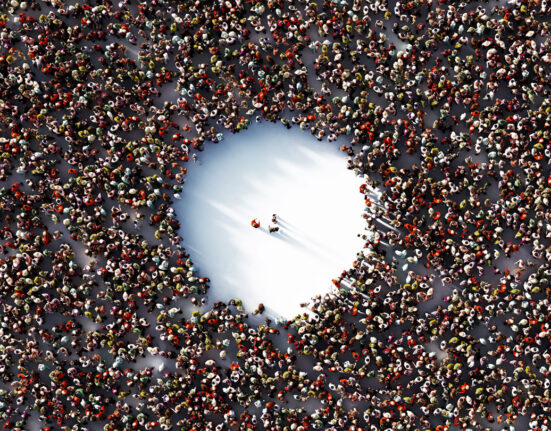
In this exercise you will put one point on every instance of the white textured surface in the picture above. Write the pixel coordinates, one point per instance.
(264, 170)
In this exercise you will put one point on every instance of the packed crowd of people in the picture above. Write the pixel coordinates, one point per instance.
(442, 321)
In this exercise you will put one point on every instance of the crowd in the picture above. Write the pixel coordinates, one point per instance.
(442, 321)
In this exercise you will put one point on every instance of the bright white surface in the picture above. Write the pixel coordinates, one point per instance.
(264, 170)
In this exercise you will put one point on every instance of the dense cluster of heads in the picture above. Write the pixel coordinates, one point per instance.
(442, 321)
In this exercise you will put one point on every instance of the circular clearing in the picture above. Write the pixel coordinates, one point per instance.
(254, 174)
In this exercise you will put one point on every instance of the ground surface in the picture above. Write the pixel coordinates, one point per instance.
(254, 174)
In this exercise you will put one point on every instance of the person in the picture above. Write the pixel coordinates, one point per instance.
(260, 309)
(255, 223)
(273, 228)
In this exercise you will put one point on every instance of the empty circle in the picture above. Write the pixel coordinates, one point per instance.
(252, 175)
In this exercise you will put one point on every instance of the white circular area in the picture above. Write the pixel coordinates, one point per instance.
(264, 170)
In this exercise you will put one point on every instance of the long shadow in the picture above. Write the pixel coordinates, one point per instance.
(289, 231)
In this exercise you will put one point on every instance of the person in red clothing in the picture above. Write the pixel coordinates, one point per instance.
(255, 223)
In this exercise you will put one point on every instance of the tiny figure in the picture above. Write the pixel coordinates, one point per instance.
(259, 310)
(255, 223)
(274, 221)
